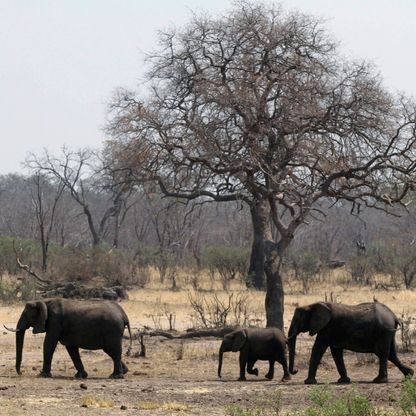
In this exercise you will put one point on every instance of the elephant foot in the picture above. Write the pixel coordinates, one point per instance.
(286, 377)
(269, 376)
(380, 379)
(242, 378)
(116, 376)
(81, 374)
(45, 374)
(344, 380)
(253, 371)
(125, 368)
(408, 373)
(310, 380)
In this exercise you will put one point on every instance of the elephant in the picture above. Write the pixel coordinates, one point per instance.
(365, 328)
(91, 325)
(256, 344)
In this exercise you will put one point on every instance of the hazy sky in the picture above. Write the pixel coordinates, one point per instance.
(60, 60)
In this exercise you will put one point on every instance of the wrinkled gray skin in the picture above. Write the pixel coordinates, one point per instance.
(366, 328)
(256, 344)
(91, 325)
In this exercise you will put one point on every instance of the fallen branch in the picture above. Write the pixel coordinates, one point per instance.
(193, 333)
(28, 269)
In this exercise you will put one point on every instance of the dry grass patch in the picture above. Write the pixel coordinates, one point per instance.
(172, 406)
(94, 401)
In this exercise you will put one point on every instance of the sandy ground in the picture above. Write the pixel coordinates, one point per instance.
(179, 377)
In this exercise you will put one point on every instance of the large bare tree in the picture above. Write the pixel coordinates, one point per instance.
(258, 105)
(84, 174)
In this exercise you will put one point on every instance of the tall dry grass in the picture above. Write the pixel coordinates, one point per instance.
(157, 302)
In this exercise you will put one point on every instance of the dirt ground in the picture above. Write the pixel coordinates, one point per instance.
(180, 377)
(176, 377)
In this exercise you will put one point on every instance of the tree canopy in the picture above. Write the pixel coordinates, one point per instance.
(258, 105)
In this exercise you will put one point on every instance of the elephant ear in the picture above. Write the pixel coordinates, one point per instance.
(320, 316)
(40, 323)
(239, 340)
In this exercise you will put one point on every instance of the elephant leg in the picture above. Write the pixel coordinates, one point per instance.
(338, 356)
(383, 353)
(243, 362)
(76, 359)
(282, 360)
(125, 368)
(318, 351)
(407, 371)
(270, 373)
(49, 346)
(250, 369)
(114, 351)
(382, 372)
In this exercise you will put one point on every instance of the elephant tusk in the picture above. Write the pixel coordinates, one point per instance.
(11, 329)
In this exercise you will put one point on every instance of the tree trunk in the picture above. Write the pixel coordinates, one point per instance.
(96, 239)
(116, 229)
(44, 257)
(274, 291)
(45, 245)
(265, 263)
(260, 217)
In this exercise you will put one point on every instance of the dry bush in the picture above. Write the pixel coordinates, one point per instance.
(159, 311)
(229, 262)
(211, 311)
(81, 264)
(407, 333)
(12, 290)
(141, 277)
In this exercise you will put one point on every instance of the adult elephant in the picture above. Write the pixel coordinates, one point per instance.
(367, 328)
(256, 344)
(91, 325)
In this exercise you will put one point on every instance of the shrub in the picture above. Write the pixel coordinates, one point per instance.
(324, 403)
(82, 264)
(28, 252)
(8, 291)
(229, 262)
(305, 265)
(11, 291)
(407, 399)
(361, 269)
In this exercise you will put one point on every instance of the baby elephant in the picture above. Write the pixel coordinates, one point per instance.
(256, 344)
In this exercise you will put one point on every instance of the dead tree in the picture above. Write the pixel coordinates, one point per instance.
(46, 196)
(82, 173)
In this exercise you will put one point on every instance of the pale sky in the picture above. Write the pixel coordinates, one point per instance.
(61, 60)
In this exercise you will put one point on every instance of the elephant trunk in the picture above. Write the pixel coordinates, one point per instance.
(20, 337)
(220, 356)
(292, 334)
(292, 352)
(22, 325)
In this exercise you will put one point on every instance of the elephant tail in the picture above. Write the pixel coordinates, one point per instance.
(127, 324)
(399, 324)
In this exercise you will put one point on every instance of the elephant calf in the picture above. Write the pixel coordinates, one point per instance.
(91, 325)
(256, 344)
(367, 327)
